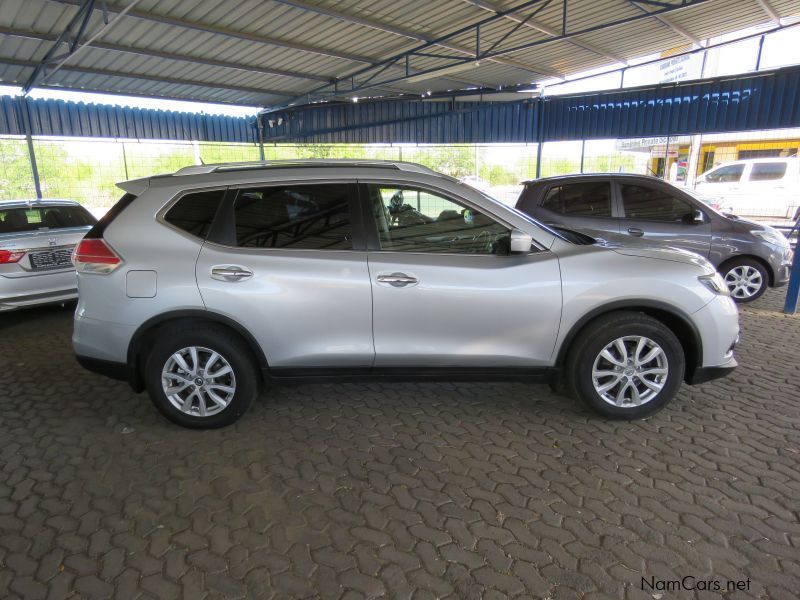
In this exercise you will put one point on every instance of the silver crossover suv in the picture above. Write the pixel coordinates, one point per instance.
(37, 238)
(200, 285)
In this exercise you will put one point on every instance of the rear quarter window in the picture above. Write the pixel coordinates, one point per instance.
(194, 212)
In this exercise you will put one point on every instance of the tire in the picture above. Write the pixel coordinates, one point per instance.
(604, 334)
(234, 390)
(737, 271)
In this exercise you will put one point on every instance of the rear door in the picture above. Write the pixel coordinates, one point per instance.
(579, 204)
(655, 212)
(284, 261)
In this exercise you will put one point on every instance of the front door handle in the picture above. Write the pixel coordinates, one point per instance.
(635, 231)
(230, 273)
(398, 279)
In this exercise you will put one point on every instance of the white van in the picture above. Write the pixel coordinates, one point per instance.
(755, 187)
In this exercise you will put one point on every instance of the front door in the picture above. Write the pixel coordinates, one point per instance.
(446, 292)
(290, 276)
(653, 213)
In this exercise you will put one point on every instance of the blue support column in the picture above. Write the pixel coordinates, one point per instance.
(25, 119)
(793, 291)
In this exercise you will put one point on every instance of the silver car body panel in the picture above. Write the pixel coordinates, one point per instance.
(315, 308)
(21, 284)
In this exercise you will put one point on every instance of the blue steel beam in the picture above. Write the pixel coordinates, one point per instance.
(71, 35)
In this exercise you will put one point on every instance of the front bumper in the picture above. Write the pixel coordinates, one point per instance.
(703, 374)
(782, 268)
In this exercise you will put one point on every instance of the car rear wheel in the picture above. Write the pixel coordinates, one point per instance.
(625, 365)
(201, 379)
(746, 279)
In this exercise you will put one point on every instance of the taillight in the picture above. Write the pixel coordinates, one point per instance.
(95, 256)
(10, 256)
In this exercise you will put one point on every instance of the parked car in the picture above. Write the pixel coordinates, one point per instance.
(755, 187)
(37, 238)
(199, 285)
(750, 256)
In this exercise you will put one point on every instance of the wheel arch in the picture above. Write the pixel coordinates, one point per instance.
(675, 319)
(146, 331)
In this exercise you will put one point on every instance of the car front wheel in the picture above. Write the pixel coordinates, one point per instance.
(746, 279)
(625, 365)
(201, 378)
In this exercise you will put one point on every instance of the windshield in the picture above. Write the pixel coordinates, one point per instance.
(710, 201)
(15, 220)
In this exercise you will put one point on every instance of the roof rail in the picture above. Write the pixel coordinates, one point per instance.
(303, 164)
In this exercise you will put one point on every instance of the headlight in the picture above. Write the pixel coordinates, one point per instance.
(715, 283)
(771, 236)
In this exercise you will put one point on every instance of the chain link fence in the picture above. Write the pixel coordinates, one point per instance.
(87, 170)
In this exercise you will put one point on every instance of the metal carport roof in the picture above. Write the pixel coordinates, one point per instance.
(274, 52)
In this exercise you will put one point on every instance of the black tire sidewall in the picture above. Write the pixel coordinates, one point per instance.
(170, 341)
(592, 342)
(746, 262)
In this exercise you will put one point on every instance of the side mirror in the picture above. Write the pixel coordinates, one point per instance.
(520, 242)
(698, 216)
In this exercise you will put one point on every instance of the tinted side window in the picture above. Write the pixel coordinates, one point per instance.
(767, 171)
(194, 212)
(652, 204)
(302, 217)
(415, 220)
(590, 199)
(729, 174)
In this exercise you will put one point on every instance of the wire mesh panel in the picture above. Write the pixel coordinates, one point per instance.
(16, 175)
(82, 170)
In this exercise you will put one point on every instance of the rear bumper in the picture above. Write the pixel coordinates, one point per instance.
(35, 289)
(109, 368)
(24, 301)
(703, 374)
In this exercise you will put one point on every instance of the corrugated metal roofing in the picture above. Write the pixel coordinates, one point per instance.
(766, 100)
(269, 52)
(67, 119)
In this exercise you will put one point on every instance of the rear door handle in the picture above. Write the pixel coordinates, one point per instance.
(635, 231)
(230, 273)
(398, 279)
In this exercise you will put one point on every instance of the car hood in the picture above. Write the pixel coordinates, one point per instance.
(631, 246)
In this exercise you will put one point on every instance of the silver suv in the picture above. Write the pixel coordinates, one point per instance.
(200, 285)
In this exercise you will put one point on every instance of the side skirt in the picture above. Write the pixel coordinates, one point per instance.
(349, 375)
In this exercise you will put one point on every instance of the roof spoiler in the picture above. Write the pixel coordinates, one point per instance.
(135, 186)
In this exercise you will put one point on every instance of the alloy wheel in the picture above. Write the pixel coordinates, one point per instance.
(744, 281)
(630, 371)
(198, 381)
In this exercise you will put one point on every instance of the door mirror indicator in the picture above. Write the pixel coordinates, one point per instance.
(520, 241)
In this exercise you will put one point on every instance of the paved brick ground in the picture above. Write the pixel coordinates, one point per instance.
(423, 491)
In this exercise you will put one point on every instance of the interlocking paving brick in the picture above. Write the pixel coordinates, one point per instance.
(435, 490)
